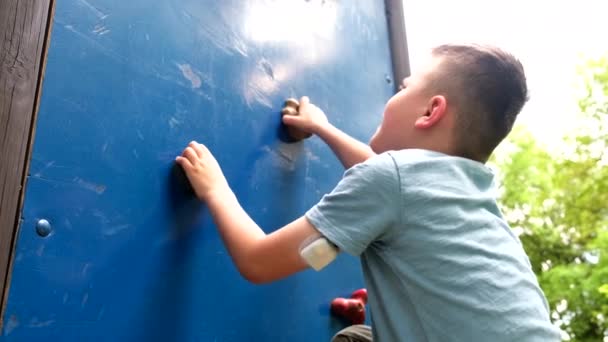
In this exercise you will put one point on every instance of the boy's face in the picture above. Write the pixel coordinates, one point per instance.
(397, 130)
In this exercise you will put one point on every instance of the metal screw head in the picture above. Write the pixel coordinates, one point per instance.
(43, 228)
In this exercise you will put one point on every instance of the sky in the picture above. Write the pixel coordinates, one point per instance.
(551, 38)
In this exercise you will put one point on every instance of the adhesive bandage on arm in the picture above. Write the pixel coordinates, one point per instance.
(318, 252)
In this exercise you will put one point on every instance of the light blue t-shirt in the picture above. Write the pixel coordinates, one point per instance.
(439, 261)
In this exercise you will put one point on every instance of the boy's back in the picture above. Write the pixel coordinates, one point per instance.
(435, 250)
(440, 262)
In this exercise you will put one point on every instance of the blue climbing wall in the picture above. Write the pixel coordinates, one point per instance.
(132, 256)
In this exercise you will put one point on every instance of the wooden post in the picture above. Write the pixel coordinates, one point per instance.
(24, 32)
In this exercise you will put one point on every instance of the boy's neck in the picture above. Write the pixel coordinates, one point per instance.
(436, 145)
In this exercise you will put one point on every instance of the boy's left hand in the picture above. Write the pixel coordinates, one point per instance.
(203, 171)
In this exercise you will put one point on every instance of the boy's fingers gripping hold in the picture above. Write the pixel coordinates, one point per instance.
(184, 163)
(204, 147)
(195, 146)
(290, 120)
(191, 155)
(201, 150)
(202, 170)
(304, 101)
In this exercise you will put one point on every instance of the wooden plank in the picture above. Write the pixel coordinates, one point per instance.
(24, 31)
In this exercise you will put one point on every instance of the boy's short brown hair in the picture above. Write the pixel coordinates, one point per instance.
(488, 88)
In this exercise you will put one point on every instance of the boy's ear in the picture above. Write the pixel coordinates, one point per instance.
(435, 111)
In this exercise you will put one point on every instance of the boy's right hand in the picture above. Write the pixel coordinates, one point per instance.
(310, 118)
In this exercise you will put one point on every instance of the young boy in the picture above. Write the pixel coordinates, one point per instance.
(440, 262)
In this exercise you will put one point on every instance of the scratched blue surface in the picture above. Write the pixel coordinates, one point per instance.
(132, 255)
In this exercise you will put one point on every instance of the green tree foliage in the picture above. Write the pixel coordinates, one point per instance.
(557, 201)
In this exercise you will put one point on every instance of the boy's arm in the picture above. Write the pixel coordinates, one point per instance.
(311, 119)
(349, 150)
(260, 258)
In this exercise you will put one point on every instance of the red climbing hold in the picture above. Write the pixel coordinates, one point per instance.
(351, 309)
(360, 294)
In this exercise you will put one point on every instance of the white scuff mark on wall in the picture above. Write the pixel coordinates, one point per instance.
(289, 152)
(222, 33)
(40, 250)
(84, 301)
(35, 323)
(46, 166)
(190, 75)
(101, 312)
(95, 10)
(253, 94)
(173, 122)
(283, 156)
(85, 269)
(311, 156)
(13, 322)
(239, 46)
(101, 216)
(100, 30)
(115, 230)
(103, 49)
(98, 188)
(260, 85)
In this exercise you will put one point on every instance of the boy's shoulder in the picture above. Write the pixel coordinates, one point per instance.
(414, 167)
(380, 166)
(392, 163)
(413, 156)
(414, 160)
(395, 162)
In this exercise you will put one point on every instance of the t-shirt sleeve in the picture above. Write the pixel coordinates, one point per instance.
(362, 207)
